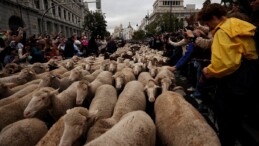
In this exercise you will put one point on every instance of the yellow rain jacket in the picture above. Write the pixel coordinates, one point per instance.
(233, 40)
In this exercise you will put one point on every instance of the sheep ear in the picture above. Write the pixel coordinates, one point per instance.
(145, 88)
(68, 111)
(93, 115)
(156, 86)
(31, 72)
(54, 92)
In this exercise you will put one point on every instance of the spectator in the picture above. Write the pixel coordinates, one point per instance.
(92, 46)
(233, 63)
(11, 56)
(84, 42)
(69, 50)
(111, 46)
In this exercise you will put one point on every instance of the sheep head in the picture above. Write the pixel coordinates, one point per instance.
(119, 80)
(40, 99)
(82, 91)
(75, 75)
(76, 122)
(151, 89)
(165, 84)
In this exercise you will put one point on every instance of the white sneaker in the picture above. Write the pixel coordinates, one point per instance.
(191, 89)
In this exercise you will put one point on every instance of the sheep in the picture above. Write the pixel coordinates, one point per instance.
(23, 77)
(18, 95)
(180, 124)
(53, 136)
(134, 128)
(76, 123)
(57, 104)
(20, 87)
(14, 111)
(5, 91)
(132, 98)
(150, 85)
(165, 78)
(92, 76)
(113, 66)
(104, 101)
(137, 68)
(105, 77)
(39, 67)
(25, 132)
(123, 77)
(9, 69)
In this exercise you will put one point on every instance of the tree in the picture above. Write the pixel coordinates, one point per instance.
(164, 23)
(139, 35)
(96, 23)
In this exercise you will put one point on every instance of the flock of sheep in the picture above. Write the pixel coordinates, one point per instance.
(129, 99)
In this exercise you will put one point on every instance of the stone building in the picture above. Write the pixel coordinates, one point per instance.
(43, 16)
(175, 7)
(123, 33)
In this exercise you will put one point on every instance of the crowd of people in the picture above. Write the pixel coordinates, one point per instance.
(16, 48)
(221, 50)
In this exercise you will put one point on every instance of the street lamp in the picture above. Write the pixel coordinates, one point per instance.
(59, 4)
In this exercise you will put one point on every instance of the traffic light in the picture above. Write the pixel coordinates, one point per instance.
(98, 4)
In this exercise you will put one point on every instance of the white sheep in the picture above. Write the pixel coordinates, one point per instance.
(123, 77)
(105, 77)
(19, 94)
(14, 111)
(23, 77)
(103, 102)
(132, 98)
(180, 124)
(26, 132)
(150, 85)
(76, 123)
(57, 104)
(135, 128)
(53, 136)
(165, 78)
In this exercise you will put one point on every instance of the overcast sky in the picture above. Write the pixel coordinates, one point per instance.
(124, 11)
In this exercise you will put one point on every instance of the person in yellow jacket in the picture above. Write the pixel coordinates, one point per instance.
(234, 62)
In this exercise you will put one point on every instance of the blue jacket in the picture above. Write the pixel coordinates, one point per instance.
(186, 57)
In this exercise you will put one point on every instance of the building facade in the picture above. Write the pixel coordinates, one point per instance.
(43, 16)
(123, 33)
(175, 7)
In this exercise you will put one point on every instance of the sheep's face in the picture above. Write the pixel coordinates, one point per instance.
(69, 65)
(82, 92)
(39, 101)
(151, 89)
(137, 69)
(39, 68)
(74, 75)
(166, 83)
(75, 124)
(153, 71)
(88, 67)
(119, 82)
(112, 67)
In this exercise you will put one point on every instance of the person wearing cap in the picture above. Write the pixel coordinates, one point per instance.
(233, 64)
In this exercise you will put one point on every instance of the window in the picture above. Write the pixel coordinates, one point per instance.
(65, 14)
(46, 4)
(53, 9)
(59, 12)
(37, 4)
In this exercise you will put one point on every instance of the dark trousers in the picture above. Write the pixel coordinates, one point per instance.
(236, 101)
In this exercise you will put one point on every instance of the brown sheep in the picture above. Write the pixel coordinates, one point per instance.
(25, 132)
(123, 77)
(76, 123)
(132, 98)
(135, 128)
(180, 124)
